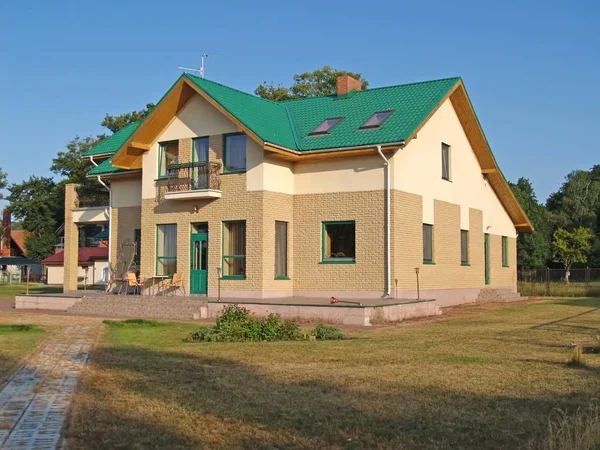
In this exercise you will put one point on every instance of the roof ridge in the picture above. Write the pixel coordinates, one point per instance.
(373, 89)
(204, 80)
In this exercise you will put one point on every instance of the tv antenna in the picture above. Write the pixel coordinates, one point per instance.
(201, 70)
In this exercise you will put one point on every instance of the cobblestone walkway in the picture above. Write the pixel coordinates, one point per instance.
(34, 402)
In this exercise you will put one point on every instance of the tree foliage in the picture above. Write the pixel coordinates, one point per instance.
(3, 182)
(576, 203)
(308, 84)
(116, 123)
(533, 249)
(569, 247)
(36, 204)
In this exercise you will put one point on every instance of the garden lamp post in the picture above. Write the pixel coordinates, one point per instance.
(219, 273)
(418, 290)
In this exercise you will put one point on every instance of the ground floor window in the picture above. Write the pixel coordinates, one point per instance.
(166, 249)
(504, 251)
(464, 247)
(281, 251)
(339, 242)
(427, 243)
(234, 250)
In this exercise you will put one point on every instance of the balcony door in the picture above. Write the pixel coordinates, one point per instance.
(200, 170)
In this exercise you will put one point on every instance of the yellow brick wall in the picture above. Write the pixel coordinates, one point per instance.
(502, 276)
(366, 208)
(124, 222)
(277, 207)
(407, 238)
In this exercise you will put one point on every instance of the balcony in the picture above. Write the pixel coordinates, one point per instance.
(193, 180)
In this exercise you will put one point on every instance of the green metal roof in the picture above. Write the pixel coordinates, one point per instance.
(106, 168)
(113, 143)
(288, 123)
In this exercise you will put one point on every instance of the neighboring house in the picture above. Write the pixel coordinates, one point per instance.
(13, 241)
(13, 263)
(342, 195)
(95, 259)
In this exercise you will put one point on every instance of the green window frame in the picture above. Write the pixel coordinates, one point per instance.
(137, 239)
(428, 243)
(162, 166)
(232, 163)
(345, 246)
(464, 248)
(281, 250)
(504, 251)
(233, 252)
(166, 249)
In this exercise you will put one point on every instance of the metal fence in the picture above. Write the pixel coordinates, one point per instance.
(18, 274)
(559, 282)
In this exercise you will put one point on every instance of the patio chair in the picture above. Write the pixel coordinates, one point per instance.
(175, 284)
(133, 282)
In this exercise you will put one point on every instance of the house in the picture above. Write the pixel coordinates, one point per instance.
(343, 195)
(94, 259)
(13, 241)
(14, 265)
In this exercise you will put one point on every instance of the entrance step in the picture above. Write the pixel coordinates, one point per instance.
(143, 307)
(498, 295)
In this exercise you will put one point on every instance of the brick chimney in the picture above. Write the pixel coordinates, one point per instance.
(6, 233)
(345, 83)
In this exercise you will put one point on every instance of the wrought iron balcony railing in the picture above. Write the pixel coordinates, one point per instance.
(194, 176)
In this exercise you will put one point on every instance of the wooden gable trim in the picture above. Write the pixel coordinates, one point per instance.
(483, 153)
(129, 156)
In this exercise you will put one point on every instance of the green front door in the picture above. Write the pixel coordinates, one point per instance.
(486, 245)
(199, 266)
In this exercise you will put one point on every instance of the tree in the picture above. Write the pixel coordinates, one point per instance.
(533, 249)
(576, 203)
(569, 247)
(36, 203)
(2, 182)
(317, 83)
(116, 123)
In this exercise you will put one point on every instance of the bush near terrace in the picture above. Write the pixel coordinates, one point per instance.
(237, 324)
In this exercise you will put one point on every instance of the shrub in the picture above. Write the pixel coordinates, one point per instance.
(326, 332)
(235, 324)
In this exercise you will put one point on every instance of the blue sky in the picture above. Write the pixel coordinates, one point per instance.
(531, 68)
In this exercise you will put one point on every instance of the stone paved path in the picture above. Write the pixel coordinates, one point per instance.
(34, 402)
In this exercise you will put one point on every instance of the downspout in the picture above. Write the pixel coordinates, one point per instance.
(109, 210)
(388, 227)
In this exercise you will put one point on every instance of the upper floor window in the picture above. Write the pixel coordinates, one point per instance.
(168, 153)
(200, 150)
(376, 120)
(326, 126)
(445, 162)
(234, 153)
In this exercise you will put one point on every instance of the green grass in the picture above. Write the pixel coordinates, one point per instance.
(9, 291)
(486, 377)
(16, 342)
(558, 289)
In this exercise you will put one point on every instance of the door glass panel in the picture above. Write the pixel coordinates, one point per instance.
(204, 261)
(196, 255)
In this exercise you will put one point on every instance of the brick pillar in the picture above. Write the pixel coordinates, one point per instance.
(185, 150)
(71, 239)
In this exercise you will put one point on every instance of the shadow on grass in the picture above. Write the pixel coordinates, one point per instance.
(588, 302)
(222, 403)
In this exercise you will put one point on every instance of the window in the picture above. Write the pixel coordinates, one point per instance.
(234, 153)
(137, 238)
(200, 173)
(445, 162)
(504, 251)
(166, 249)
(427, 243)
(339, 242)
(376, 120)
(281, 253)
(464, 247)
(326, 126)
(168, 153)
(234, 250)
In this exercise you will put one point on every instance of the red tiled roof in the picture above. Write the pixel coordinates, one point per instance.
(87, 255)
(18, 237)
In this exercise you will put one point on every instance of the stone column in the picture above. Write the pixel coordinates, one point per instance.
(71, 251)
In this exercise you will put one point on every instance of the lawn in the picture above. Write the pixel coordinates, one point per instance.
(483, 377)
(9, 291)
(16, 342)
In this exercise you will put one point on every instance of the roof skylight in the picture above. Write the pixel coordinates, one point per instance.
(376, 120)
(326, 126)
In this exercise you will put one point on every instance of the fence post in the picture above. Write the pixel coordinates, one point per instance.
(587, 280)
(548, 281)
